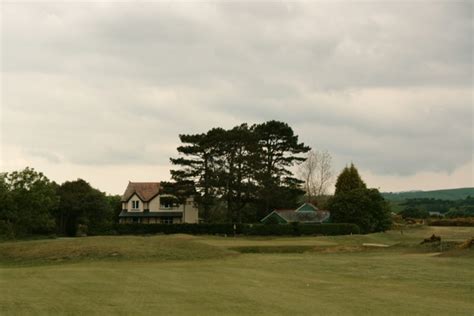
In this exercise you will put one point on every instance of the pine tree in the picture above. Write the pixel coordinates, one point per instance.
(241, 166)
(277, 149)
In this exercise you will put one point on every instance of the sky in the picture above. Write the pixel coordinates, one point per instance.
(101, 90)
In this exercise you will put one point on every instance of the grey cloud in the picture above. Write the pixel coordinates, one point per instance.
(116, 84)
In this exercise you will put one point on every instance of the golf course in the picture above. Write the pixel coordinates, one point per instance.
(385, 273)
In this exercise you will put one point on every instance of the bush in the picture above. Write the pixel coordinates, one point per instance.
(364, 207)
(293, 229)
(454, 222)
(459, 213)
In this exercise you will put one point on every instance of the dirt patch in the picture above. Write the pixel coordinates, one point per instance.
(375, 245)
(468, 244)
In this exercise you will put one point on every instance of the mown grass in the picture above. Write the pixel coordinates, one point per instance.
(67, 250)
(176, 275)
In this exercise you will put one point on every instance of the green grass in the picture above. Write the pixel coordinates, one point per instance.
(116, 248)
(175, 275)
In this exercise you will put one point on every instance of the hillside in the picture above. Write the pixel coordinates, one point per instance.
(448, 194)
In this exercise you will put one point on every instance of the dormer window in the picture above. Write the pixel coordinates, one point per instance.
(135, 205)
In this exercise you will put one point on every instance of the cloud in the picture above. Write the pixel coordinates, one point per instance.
(386, 85)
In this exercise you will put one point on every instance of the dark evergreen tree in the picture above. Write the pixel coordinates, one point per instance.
(178, 192)
(364, 207)
(236, 175)
(201, 164)
(354, 203)
(277, 149)
(349, 180)
(241, 167)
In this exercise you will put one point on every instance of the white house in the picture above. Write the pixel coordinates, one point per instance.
(143, 203)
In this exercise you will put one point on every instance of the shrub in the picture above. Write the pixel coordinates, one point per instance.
(193, 229)
(469, 221)
(293, 229)
(364, 207)
(411, 212)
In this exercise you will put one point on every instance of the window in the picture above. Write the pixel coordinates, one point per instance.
(135, 204)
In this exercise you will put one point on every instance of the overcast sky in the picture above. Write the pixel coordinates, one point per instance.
(101, 90)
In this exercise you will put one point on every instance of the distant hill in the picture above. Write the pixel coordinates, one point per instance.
(448, 194)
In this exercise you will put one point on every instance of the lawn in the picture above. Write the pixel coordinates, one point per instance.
(180, 274)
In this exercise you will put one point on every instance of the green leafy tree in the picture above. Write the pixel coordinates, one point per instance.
(82, 206)
(115, 203)
(349, 180)
(27, 200)
(364, 207)
(7, 208)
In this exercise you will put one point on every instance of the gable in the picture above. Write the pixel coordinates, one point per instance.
(274, 217)
(135, 196)
(307, 207)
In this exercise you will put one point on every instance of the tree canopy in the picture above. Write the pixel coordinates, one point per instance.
(32, 204)
(354, 203)
(246, 169)
(349, 180)
(80, 205)
(27, 198)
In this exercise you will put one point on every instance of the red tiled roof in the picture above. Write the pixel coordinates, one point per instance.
(145, 190)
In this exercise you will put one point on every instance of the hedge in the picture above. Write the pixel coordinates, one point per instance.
(193, 229)
(468, 221)
(293, 229)
(296, 229)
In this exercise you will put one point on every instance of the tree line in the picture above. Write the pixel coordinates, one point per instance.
(236, 175)
(421, 207)
(32, 204)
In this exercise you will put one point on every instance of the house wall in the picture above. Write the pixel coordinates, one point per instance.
(129, 204)
(191, 213)
(189, 210)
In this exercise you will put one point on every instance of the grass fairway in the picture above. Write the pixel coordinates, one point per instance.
(174, 275)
